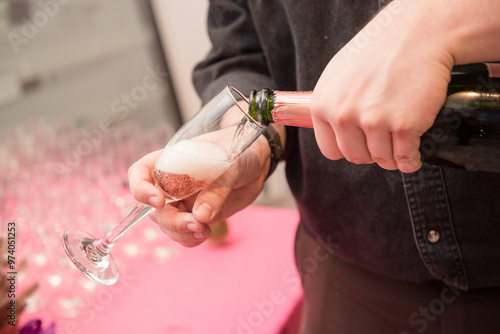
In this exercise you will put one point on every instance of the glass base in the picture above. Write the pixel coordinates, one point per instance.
(98, 267)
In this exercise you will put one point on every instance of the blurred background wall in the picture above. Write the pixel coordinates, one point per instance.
(82, 60)
(184, 35)
(94, 63)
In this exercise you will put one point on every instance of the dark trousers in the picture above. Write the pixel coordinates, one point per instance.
(341, 298)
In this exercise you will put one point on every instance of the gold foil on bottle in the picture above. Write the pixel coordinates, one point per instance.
(292, 108)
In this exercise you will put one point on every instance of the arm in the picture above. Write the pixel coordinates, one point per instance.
(235, 59)
(383, 90)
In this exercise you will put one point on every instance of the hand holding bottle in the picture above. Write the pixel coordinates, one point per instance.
(383, 90)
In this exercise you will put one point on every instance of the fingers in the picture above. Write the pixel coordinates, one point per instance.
(174, 220)
(141, 182)
(406, 152)
(351, 141)
(188, 221)
(380, 146)
(326, 139)
(368, 143)
(207, 208)
(181, 226)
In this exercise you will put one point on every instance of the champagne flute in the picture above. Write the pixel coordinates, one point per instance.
(204, 148)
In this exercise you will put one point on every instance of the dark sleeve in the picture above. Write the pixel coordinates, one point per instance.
(236, 57)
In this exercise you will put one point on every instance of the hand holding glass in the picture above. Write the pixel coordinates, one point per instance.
(204, 148)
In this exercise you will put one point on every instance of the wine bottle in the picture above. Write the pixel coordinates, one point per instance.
(465, 134)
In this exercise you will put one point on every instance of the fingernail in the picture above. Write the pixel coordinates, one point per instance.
(153, 201)
(191, 227)
(199, 235)
(205, 211)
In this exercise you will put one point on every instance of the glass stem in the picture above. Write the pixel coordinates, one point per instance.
(105, 243)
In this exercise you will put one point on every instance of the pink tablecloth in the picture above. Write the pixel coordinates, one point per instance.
(249, 286)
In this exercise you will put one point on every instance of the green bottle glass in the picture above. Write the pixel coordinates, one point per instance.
(465, 134)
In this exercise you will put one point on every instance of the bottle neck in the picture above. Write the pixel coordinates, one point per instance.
(260, 105)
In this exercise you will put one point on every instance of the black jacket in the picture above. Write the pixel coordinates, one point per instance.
(377, 219)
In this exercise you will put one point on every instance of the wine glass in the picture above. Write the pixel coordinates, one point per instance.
(203, 149)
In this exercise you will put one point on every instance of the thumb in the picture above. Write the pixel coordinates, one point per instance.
(209, 202)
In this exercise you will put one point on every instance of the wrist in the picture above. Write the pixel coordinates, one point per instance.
(275, 137)
(464, 31)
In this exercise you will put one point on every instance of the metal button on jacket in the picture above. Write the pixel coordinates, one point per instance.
(433, 236)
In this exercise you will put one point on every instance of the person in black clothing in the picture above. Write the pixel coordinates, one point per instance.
(413, 247)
